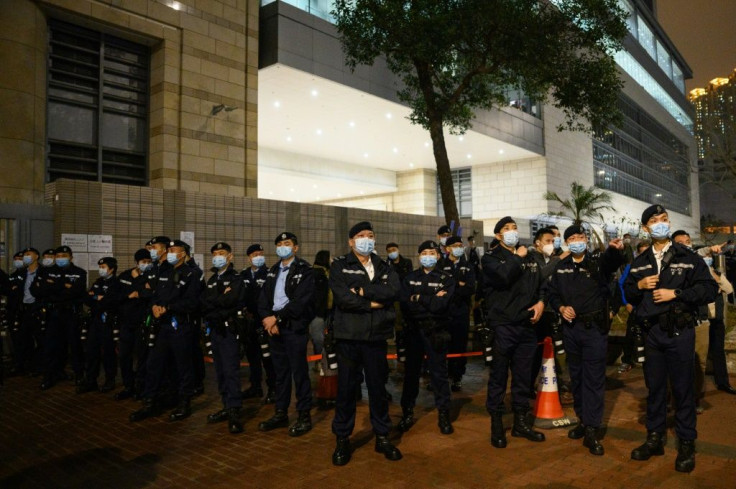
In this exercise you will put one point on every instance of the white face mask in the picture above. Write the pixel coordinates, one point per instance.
(548, 249)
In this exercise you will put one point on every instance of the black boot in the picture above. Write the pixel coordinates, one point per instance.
(498, 433)
(444, 422)
(523, 429)
(303, 424)
(384, 446)
(124, 394)
(252, 392)
(407, 419)
(270, 396)
(591, 441)
(278, 420)
(234, 425)
(577, 433)
(653, 446)
(148, 410)
(343, 451)
(218, 416)
(685, 461)
(182, 411)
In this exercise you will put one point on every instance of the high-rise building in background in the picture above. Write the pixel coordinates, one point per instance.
(715, 133)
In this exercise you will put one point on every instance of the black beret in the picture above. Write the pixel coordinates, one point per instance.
(30, 248)
(50, 251)
(160, 239)
(679, 232)
(361, 226)
(63, 249)
(253, 248)
(500, 224)
(18, 255)
(221, 246)
(284, 236)
(444, 229)
(453, 239)
(574, 229)
(109, 261)
(391, 245)
(428, 245)
(187, 248)
(179, 243)
(142, 254)
(652, 210)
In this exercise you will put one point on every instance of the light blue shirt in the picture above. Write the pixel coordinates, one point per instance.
(27, 296)
(279, 293)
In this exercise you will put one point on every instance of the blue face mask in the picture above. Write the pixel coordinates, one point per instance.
(708, 260)
(458, 252)
(19, 263)
(27, 260)
(143, 267)
(558, 243)
(47, 262)
(443, 240)
(393, 255)
(659, 230)
(172, 258)
(102, 272)
(62, 262)
(511, 238)
(219, 261)
(284, 251)
(428, 261)
(154, 254)
(258, 261)
(577, 247)
(365, 246)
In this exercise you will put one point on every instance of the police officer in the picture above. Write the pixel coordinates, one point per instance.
(512, 281)
(286, 307)
(220, 303)
(132, 312)
(402, 266)
(195, 317)
(23, 312)
(426, 294)
(458, 266)
(65, 287)
(364, 290)
(175, 298)
(557, 240)
(667, 283)
(443, 234)
(104, 297)
(253, 279)
(579, 291)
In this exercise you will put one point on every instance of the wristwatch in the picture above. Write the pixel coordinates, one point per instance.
(678, 292)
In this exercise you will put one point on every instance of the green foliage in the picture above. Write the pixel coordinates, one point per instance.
(585, 205)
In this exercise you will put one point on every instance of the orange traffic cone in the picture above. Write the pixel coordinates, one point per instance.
(548, 411)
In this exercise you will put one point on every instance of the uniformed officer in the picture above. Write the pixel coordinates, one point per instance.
(667, 283)
(197, 351)
(13, 314)
(579, 291)
(23, 312)
(253, 279)
(458, 266)
(220, 303)
(103, 299)
(443, 234)
(557, 240)
(66, 290)
(136, 291)
(512, 282)
(364, 290)
(402, 266)
(175, 297)
(286, 307)
(426, 294)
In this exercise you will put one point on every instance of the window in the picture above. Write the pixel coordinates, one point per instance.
(664, 60)
(461, 182)
(646, 38)
(97, 107)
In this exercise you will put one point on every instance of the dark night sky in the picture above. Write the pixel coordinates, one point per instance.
(704, 32)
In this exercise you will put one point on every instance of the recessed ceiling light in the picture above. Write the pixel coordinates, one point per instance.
(388, 115)
(339, 195)
(270, 193)
(314, 93)
(426, 144)
(460, 139)
(396, 150)
(365, 155)
(351, 124)
(362, 193)
(500, 151)
(411, 165)
(319, 132)
(318, 197)
(469, 156)
(314, 185)
(288, 139)
(277, 104)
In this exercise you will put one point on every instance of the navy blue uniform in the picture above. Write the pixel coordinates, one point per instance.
(21, 319)
(132, 312)
(103, 299)
(197, 351)
(459, 312)
(427, 321)
(220, 302)
(584, 286)
(511, 286)
(178, 290)
(361, 333)
(289, 347)
(670, 342)
(253, 283)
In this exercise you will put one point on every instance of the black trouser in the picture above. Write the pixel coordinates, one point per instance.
(586, 359)
(716, 345)
(226, 357)
(289, 354)
(629, 355)
(62, 337)
(255, 360)
(459, 326)
(132, 351)
(177, 343)
(197, 354)
(418, 342)
(513, 348)
(100, 345)
(27, 337)
(354, 358)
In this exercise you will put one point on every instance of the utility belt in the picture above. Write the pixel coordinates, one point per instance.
(597, 319)
(426, 325)
(672, 322)
(435, 331)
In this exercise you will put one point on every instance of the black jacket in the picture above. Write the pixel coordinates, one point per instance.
(354, 318)
(252, 285)
(428, 305)
(686, 271)
(133, 311)
(50, 285)
(403, 268)
(299, 289)
(177, 289)
(511, 285)
(218, 303)
(111, 291)
(462, 271)
(321, 291)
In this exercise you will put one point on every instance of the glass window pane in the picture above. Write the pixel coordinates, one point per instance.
(123, 132)
(71, 123)
(664, 60)
(646, 38)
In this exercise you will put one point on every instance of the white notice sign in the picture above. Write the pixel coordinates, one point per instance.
(94, 258)
(188, 238)
(99, 243)
(77, 242)
(82, 260)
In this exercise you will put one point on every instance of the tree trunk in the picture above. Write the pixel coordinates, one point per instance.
(444, 176)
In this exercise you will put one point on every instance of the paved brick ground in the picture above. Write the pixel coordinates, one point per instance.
(60, 439)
